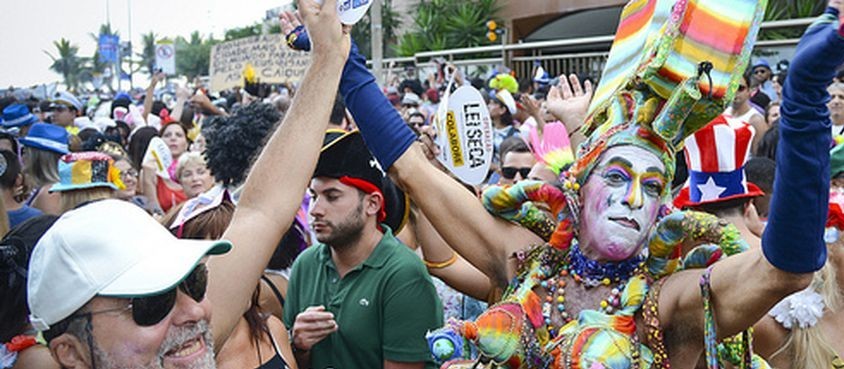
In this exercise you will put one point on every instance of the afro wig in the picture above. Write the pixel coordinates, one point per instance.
(233, 141)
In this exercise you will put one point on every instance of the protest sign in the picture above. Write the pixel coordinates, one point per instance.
(465, 135)
(165, 57)
(159, 153)
(269, 55)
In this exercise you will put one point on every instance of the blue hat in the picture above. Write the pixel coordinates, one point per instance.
(761, 63)
(46, 137)
(67, 99)
(122, 95)
(17, 115)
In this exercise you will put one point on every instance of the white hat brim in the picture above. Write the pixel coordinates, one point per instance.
(163, 268)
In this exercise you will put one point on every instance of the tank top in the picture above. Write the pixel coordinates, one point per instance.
(744, 117)
(168, 198)
(277, 361)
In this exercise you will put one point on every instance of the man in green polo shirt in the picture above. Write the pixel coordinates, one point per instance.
(360, 298)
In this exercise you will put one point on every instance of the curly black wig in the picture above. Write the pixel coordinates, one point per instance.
(234, 141)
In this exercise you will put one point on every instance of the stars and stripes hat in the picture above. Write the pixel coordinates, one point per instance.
(716, 156)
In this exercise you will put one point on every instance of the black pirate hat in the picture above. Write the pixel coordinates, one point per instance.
(344, 154)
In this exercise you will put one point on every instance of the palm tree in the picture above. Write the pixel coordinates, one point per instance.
(193, 57)
(390, 21)
(442, 24)
(68, 63)
(147, 53)
(94, 66)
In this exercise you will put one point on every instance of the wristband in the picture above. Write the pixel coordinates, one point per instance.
(298, 39)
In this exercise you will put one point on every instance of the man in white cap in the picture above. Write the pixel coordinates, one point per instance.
(65, 108)
(112, 289)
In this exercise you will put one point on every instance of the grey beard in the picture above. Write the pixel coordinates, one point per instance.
(175, 338)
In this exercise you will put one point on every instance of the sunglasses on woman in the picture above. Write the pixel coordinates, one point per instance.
(151, 310)
(510, 172)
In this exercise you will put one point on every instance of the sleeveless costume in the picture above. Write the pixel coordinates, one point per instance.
(682, 79)
(652, 102)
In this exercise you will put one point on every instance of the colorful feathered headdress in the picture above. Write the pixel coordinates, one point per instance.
(673, 67)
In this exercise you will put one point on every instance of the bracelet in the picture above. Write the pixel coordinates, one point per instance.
(443, 264)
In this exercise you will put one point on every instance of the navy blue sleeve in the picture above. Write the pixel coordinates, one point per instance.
(793, 240)
(381, 126)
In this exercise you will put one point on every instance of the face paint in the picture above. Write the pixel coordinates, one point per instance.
(621, 199)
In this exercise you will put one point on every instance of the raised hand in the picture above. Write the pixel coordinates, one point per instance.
(327, 34)
(289, 21)
(569, 101)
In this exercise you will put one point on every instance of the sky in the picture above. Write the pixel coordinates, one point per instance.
(29, 27)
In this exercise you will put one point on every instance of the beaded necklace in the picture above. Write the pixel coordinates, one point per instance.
(590, 274)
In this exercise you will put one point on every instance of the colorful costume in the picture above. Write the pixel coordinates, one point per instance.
(671, 71)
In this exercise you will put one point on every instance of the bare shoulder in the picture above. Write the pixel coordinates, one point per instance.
(37, 356)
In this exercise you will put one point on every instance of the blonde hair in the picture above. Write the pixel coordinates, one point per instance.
(190, 157)
(42, 166)
(808, 347)
(74, 198)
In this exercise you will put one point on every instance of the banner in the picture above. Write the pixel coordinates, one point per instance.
(269, 55)
(465, 135)
(107, 47)
(165, 57)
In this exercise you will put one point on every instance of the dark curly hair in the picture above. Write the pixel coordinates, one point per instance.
(233, 141)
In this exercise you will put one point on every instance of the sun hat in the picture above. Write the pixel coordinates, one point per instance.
(46, 137)
(506, 98)
(716, 156)
(411, 98)
(66, 99)
(107, 248)
(17, 115)
(78, 171)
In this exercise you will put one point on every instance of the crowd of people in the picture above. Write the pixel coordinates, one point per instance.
(312, 226)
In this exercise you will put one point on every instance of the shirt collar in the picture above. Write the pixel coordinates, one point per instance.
(376, 259)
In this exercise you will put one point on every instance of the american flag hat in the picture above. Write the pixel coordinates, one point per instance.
(716, 156)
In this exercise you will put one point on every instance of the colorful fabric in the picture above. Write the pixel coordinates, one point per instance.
(83, 170)
(716, 156)
(686, 55)
(552, 147)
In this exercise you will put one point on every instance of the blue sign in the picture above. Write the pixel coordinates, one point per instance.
(108, 48)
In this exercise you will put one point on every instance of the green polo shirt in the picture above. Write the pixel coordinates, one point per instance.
(383, 307)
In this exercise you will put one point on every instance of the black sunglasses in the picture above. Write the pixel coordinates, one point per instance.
(150, 310)
(510, 172)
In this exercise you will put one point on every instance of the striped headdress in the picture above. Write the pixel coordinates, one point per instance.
(673, 67)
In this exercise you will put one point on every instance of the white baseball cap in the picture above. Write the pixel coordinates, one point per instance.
(107, 248)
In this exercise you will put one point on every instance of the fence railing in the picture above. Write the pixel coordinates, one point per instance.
(522, 56)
